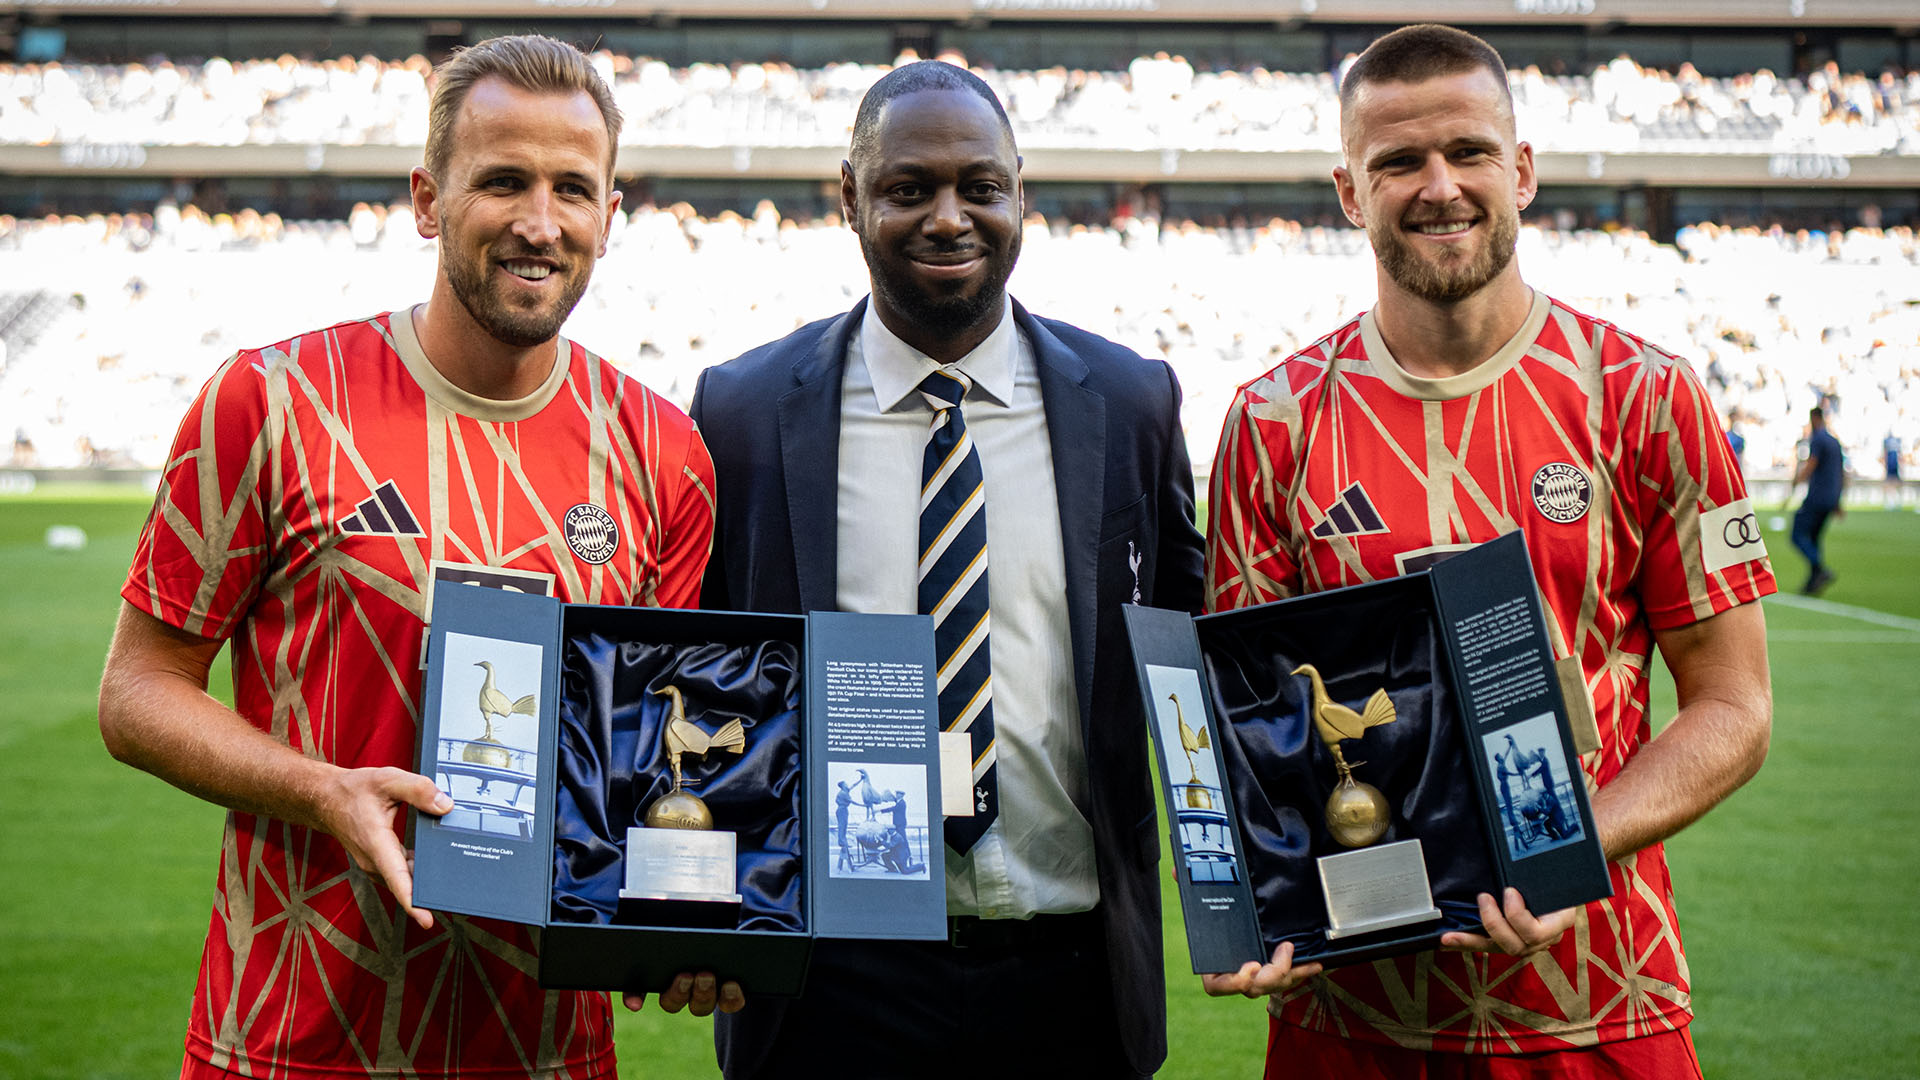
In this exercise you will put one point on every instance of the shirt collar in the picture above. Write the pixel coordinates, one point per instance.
(898, 368)
(1471, 381)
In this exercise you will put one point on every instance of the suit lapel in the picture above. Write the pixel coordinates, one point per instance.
(810, 457)
(1077, 430)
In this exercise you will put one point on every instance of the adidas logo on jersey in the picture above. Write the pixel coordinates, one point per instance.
(1352, 514)
(383, 513)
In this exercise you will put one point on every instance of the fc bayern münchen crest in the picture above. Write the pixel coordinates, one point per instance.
(1561, 492)
(591, 532)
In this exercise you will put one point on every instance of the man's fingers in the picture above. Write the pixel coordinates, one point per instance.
(705, 994)
(1256, 980)
(1230, 984)
(1272, 975)
(1461, 941)
(1499, 930)
(1525, 927)
(675, 996)
(414, 790)
(698, 991)
(361, 814)
(1492, 921)
(1537, 933)
(391, 864)
(1510, 927)
(1280, 975)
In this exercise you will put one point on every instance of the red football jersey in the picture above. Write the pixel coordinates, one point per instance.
(1338, 467)
(314, 490)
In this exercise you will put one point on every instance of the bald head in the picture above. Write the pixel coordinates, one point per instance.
(912, 79)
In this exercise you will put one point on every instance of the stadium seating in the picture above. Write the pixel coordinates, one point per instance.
(129, 314)
(1159, 102)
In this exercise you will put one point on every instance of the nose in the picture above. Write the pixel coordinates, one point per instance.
(1438, 182)
(536, 223)
(946, 215)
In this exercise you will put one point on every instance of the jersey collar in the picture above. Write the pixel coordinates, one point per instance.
(1453, 386)
(438, 388)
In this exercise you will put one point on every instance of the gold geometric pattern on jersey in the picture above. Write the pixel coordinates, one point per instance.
(1448, 463)
(294, 917)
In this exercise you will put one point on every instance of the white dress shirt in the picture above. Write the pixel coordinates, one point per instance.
(1038, 855)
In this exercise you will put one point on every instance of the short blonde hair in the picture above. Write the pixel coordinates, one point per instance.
(532, 62)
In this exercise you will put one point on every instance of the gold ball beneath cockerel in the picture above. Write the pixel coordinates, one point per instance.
(1357, 813)
(679, 810)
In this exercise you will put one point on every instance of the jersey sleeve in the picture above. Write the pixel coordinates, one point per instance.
(1701, 551)
(205, 548)
(1249, 557)
(688, 519)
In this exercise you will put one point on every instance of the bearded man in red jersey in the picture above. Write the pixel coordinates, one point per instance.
(1464, 406)
(316, 490)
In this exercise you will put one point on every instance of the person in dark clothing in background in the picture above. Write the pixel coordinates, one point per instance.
(1824, 472)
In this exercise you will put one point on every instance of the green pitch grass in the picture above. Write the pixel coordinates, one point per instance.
(1795, 896)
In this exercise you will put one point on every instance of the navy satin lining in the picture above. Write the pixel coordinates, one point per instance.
(1380, 637)
(613, 765)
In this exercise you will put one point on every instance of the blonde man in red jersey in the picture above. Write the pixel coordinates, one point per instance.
(1466, 405)
(316, 490)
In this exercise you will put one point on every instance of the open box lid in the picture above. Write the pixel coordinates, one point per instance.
(487, 733)
(874, 714)
(1507, 684)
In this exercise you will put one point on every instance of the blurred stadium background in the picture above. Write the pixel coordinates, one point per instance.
(1738, 180)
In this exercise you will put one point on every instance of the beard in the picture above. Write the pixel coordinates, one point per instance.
(942, 314)
(519, 327)
(1449, 282)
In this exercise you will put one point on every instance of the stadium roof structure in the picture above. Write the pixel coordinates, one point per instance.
(1902, 15)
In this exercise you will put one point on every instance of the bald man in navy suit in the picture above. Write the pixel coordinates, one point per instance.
(821, 444)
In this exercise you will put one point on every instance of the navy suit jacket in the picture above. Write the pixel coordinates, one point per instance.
(771, 419)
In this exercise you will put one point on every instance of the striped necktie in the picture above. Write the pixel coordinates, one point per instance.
(953, 589)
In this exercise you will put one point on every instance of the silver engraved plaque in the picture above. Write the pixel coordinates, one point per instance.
(1376, 888)
(680, 864)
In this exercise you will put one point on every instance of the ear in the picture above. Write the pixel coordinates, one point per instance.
(1343, 183)
(426, 202)
(1019, 187)
(1527, 183)
(606, 230)
(849, 197)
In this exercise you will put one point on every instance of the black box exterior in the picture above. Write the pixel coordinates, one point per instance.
(1462, 650)
(499, 861)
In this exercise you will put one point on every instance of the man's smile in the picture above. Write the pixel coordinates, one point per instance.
(1442, 228)
(955, 263)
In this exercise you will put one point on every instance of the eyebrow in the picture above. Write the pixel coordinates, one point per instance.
(1376, 160)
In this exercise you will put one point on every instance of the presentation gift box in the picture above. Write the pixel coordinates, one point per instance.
(665, 791)
(1348, 770)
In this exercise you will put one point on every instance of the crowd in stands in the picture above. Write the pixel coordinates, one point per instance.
(111, 324)
(1159, 102)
